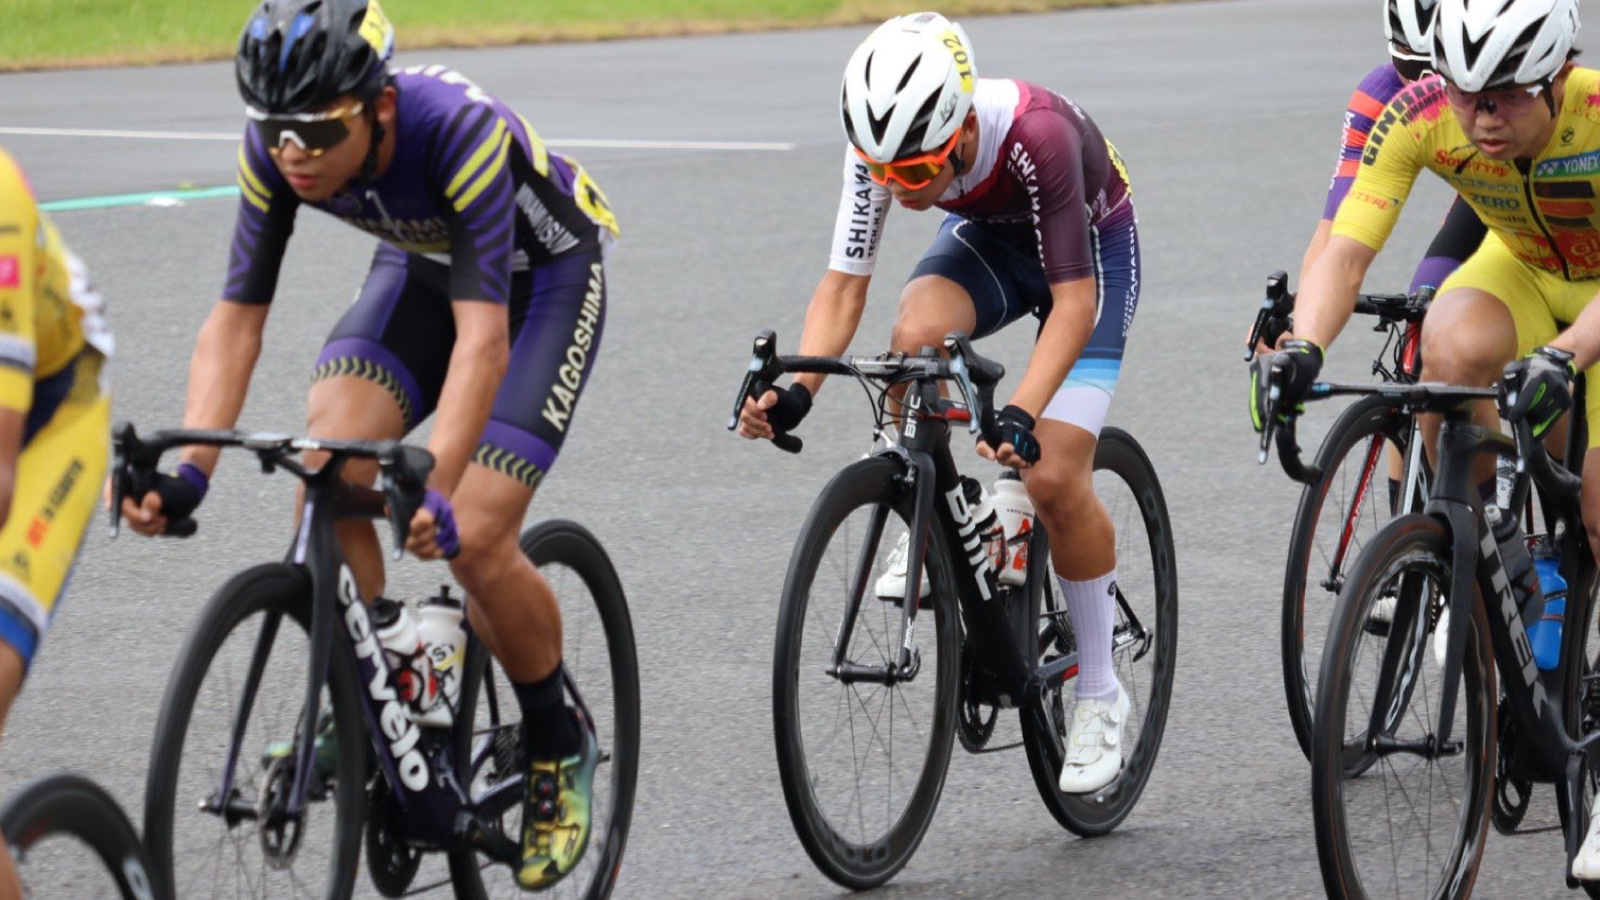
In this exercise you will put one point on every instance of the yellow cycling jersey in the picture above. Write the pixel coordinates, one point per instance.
(49, 313)
(1545, 210)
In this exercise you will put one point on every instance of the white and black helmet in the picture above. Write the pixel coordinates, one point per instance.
(908, 87)
(1408, 24)
(1479, 44)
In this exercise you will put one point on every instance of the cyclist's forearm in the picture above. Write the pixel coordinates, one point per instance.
(831, 320)
(1327, 298)
(224, 357)
(1319, 242)
(1061, 342)
(477, 366)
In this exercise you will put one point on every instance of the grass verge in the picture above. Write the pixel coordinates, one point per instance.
(48, 34)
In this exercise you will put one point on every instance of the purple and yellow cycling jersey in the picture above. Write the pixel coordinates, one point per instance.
(470, 186)
(1366, 104)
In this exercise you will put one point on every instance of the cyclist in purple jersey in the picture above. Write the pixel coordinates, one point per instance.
(485, 301)
(1039, 220)
(1408, 27)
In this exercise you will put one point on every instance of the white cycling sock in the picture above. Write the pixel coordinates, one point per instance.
(1092, 605)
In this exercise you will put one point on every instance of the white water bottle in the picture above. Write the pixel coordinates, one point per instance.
(444, 642)
(410, 670)
(984, 522)
(1015, 512)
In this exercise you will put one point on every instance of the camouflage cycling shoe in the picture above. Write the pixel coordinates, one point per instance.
(555, 815)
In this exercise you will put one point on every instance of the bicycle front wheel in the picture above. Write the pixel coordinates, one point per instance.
(70, 806)
(1401, 821)
(1144, 642)
(1336, 518)
(603, 670)
(222, 769)
(862, 759)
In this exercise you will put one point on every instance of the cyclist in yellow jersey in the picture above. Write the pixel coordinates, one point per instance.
(55, 418)
(1514, 127)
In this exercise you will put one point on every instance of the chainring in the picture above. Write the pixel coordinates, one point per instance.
(1511, 794)
(973, 726)
(393, 865)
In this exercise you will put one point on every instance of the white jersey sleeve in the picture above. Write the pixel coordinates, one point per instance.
(862, 208)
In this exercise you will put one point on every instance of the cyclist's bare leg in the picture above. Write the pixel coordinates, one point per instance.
(1060, 484)
(1591, 498)
(510, 603)
(931, 306)
(348, 408)
(11, 672)
(1467, 338)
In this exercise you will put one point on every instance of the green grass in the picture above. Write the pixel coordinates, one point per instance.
(56, 33)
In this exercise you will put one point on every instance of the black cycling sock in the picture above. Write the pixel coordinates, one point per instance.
(549, 730)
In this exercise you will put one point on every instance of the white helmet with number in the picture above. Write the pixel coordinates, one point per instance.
(1409, 23)
(1479, 44)
(908, 87)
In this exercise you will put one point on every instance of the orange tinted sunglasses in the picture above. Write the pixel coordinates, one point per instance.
(913, 172)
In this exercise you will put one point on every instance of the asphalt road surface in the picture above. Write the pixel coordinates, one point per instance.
(1228, 114)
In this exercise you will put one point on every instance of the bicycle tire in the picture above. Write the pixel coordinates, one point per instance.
(872, 860)
(69, 805)
(282, 589)
(560, 542)
(1411, 545)
(1043, 731)
(1352, 431)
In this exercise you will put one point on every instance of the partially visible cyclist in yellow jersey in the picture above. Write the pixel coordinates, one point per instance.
(55, 421)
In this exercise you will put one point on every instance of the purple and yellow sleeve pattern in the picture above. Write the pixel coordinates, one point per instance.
(1366, 103)
(475, 181)
(266, 219)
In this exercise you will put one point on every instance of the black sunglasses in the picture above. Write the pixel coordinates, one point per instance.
(315, 133)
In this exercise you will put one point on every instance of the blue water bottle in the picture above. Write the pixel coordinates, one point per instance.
(1545, 635)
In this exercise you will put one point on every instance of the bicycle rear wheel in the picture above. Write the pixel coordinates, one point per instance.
(1401, 824)
(1336, 518)
(862, 763)
(250, 641)
(602, 664)
(1144, 642)
(65, 805)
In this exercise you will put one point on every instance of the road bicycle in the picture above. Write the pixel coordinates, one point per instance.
(1343, 506)
(1416, 752)
(285, 652)
(865, 705)
(52, 820)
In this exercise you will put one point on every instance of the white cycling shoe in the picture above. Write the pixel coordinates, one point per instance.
(891, 585)
(1586, 865)
(1094, 744)
(1383, 614)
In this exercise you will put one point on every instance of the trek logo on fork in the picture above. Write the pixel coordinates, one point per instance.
(402, 733)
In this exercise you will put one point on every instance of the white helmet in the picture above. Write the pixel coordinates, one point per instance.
(1480, 44)
(908, 87)
(1409, 23)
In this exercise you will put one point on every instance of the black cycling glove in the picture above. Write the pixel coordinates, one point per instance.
(1537, 388)
(181, 493)
(1015, 427)
(793, 403)
(1298, 364)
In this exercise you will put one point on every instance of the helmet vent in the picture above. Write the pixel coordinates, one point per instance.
(910, 70)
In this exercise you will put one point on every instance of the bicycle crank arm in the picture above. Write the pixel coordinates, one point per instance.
(488, 840)
(234, 811)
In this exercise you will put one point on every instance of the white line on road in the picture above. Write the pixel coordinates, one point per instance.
(593, 143)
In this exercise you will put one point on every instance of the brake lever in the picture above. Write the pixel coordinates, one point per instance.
(976, 408)
(1277, 291)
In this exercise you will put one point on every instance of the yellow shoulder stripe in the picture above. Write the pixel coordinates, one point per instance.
(541, 156)
(476, 159)
(250, 185)
(490, 171)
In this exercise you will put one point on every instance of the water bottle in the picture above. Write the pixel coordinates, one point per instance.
(1545, 634)
(410, 671)
(444, 642)
(990, 536)
(1015, 512)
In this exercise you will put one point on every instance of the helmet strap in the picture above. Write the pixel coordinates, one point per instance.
(369, 166)
(957, 163)
(1550, 95)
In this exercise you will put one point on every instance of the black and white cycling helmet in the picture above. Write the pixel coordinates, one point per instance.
(1408, 24)
(1481, 44)
(296, 56)
(908, 87)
